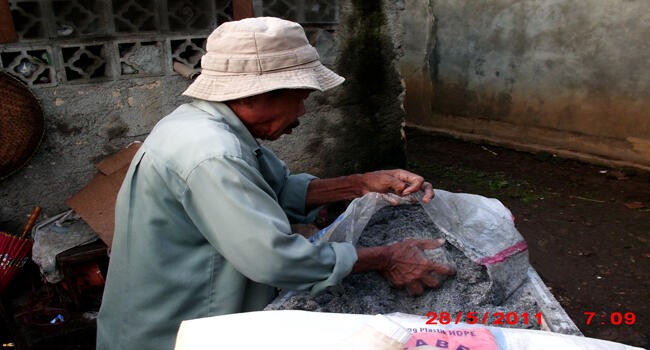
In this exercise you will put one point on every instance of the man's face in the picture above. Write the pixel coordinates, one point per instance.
(270, 115)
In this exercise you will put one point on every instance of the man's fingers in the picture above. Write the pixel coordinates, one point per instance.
(443, 269)
(408, 176)
(430, 281)
(392, 282)
(413, 187)
(415, 288)
(400, 182)
(429, 243)
(428, 192)
(414, 181)
(398, 186)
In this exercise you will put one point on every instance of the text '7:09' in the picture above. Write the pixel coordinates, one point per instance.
(615, 318)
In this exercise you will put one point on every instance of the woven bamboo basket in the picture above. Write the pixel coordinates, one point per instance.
(21, 124)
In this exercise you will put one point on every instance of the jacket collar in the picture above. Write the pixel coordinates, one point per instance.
(222, 112)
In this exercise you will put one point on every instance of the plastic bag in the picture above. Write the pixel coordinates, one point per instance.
(482, 228)
(55, 235)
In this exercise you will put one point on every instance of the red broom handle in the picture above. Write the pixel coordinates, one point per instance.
(31, 221)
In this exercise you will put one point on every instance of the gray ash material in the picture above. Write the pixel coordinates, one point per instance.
(370, 293)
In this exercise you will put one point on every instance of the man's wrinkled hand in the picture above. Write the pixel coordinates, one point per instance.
(398, 181)
(407, 266)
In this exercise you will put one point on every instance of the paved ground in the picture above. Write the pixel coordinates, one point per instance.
(587, 227)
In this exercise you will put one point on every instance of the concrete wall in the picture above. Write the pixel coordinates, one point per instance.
(353, 128)
(83, 124)
(568, 77)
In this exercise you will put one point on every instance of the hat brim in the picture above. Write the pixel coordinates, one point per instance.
(212, 86)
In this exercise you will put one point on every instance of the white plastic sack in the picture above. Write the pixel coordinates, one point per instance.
(482, 228)
(467, 336)
(55, 235)
(299, 330)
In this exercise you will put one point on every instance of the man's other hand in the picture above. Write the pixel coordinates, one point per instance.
(407, 266)
(398, 181)
(404, 264)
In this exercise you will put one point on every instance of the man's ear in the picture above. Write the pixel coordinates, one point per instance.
(251, 101)
(240, 103)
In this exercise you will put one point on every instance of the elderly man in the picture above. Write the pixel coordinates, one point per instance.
(202, 221)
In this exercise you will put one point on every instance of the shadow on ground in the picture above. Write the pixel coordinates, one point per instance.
(587, 227)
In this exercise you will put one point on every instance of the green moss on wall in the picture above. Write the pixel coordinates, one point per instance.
(368, 137)
(366, 55)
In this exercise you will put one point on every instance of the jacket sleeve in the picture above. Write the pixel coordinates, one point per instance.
(293, 196)
(233, 207)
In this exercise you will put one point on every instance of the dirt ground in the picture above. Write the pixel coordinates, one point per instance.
(587, 227)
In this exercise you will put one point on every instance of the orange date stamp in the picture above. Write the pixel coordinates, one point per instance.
(496, 318)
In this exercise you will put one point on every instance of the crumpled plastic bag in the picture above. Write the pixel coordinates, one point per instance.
(482, 228)
(55, 235)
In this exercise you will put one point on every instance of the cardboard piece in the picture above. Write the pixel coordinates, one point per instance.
(95, 203)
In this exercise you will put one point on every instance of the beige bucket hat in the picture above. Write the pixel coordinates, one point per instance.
(257, 55)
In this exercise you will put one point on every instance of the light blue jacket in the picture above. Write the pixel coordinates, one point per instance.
(202, 228)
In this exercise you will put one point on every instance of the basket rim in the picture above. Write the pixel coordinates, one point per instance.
(42, 117)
